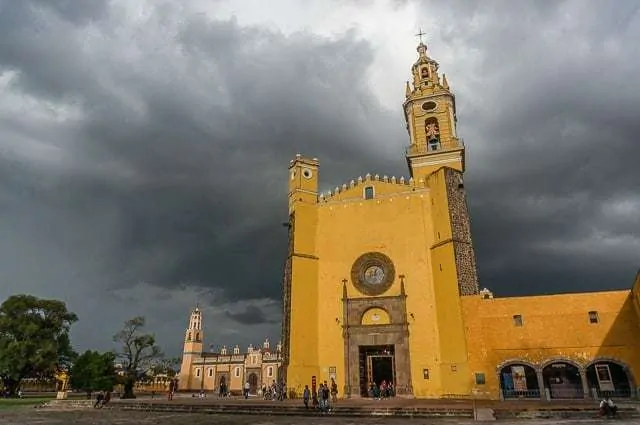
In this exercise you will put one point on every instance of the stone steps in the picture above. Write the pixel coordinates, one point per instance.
(289, 410)
(586, 412)
(68, 404)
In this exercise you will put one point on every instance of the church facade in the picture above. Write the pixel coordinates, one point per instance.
(380, 284)
(227, 368)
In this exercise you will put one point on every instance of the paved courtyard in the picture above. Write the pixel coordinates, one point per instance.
(30, 416)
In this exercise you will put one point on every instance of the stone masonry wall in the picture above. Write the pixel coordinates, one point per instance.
(286, 293)
(461, 234)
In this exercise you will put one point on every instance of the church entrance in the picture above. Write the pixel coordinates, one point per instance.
(253, 384)
(377, 364)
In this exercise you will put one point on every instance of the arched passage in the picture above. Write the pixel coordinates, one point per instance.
(519, 380)
(563, 380)
(608, 378)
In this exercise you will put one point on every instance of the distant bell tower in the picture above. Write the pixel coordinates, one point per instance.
(192, 350)
(430, 115)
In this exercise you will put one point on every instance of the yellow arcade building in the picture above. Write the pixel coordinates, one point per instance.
(380, 284)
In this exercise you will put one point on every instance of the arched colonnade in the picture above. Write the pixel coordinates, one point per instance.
(562, 378)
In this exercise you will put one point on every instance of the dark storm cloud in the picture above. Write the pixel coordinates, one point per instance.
(252, 315)
(552, 127)
(185, 150)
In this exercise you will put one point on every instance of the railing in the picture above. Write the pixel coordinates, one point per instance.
(566, 393)
(618, 393)
(520, 394)
(433, 146)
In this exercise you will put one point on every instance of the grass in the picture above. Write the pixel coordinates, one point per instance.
(15, 403)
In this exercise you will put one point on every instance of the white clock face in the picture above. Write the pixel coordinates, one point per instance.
(374, 275)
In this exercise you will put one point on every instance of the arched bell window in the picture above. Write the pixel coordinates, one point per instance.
(432, 131)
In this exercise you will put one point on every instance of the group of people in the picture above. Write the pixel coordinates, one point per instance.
(384, 390)
(274, 391)
(102, 399)
(608, 408)
(323, 397)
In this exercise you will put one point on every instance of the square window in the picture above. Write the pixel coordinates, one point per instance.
(517, 320)
(480, 378)
(593, 317)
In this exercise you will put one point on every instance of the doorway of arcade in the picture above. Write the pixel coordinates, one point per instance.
(377, 364)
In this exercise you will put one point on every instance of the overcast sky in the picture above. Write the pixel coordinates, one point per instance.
(144, 145)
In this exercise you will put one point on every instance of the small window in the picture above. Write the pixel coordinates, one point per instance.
(517, 320)
(237, 372)
(593, 317)
(210, 372)
(480, 379)
(270, 371)
(368, 192)
(454, 368)
(197, 372)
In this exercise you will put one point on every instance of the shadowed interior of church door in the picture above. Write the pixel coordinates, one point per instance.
(377, 364)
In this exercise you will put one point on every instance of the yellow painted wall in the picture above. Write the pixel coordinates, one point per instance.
(398, 226)
(555, 326)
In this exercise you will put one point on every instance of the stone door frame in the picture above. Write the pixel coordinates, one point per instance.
(355, 335)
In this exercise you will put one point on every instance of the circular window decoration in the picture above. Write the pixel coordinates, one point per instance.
(307, 173)
(373, 273)
(429, 106)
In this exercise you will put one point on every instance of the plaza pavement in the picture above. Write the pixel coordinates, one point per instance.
(30, 416)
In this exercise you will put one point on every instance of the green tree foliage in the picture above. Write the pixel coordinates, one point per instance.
(93, 371)
(34, 338)
(138, 352)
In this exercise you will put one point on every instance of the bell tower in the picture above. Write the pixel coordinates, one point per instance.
(192, 350)
(430, 114)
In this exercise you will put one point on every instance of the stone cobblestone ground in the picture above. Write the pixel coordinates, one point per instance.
(30, 416)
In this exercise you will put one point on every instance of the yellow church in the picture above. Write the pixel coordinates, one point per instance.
(380, 284)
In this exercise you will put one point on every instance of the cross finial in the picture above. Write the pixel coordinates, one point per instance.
(420, 34)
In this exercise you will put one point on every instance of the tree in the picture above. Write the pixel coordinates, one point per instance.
(138, 353)
(93, 371)
(165, 366)
(34, 339)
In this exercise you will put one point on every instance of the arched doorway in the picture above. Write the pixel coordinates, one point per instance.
(253, 384)
(608, 378)
(563, 380)
(519, 380)
(222, 386)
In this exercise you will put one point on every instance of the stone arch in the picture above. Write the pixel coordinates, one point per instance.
(519, 379)
(375, 316)
(610, 376)
(511, 362)
(562, 378)
(560, 359)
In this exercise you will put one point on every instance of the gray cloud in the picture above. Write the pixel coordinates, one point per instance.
(157, 152)
(252, 315)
